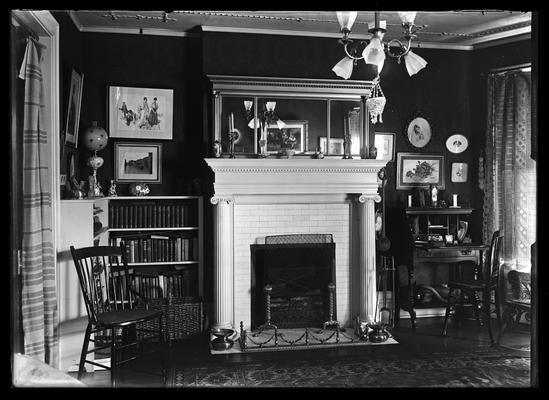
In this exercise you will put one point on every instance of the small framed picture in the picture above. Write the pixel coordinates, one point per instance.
(73, 109)
(385, 144)
(419, 170)
(418, 130)
(140, 113)
(459, 172)
(336, 146)
(137, 162)
(293, 133)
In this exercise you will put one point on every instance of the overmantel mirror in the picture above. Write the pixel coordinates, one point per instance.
(289, 117)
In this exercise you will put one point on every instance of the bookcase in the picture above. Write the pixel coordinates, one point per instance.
(163, 239)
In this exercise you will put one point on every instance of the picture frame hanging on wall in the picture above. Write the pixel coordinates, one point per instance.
(297, 130)
(73, 108)
(459, 172)
(140, 112)
(418, 130)
(419, 170)
(385, 145)
(336, 146)
(138, 162)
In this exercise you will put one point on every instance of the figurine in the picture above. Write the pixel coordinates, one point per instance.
(433, 191)
(112, 189)
(217, 149)
(373, 152)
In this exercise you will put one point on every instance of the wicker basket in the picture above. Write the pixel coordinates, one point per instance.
(183, 317)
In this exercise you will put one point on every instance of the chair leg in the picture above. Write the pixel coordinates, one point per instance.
(84, 352)
(447, 313)
(162, 349)
(486, 295)
(114, 358)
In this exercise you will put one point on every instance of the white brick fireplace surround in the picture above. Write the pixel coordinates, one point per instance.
(255, 198)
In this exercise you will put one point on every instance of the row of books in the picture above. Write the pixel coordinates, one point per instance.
(182, 283)
(158, 248)
(152, 215)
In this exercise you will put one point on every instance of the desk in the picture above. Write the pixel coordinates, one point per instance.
(447, 254)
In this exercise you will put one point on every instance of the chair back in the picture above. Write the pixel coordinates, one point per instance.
(104, 279)
(492, 265)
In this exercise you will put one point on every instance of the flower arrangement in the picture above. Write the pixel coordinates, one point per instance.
(422, 170)
(288, 140)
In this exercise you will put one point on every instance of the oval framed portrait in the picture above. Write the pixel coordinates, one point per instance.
(418, 130)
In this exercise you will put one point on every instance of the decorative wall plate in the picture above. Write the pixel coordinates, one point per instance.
(457, 143)
(418, 130)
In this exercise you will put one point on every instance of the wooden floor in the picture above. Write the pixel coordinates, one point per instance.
(426, 338)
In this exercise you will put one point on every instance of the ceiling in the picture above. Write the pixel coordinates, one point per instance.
(462, 29)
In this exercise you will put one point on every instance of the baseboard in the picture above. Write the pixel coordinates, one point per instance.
(425, 312)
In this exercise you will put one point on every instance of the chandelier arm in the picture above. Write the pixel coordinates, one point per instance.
(401, 46)
(349, 55)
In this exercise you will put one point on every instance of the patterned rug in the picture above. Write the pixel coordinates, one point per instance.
(485, 367)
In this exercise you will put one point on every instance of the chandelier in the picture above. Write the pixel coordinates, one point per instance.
(374, 50)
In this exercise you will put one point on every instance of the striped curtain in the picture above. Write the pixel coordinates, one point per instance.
(39, 298)
(510, 172)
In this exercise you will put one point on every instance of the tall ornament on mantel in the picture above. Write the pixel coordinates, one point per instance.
(95, 139)
(376, 102)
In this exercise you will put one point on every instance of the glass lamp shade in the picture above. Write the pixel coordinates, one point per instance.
(375, 106)
(254, 122)
(374, 53)
(95, 162)
(407, 17)
(346, 19)
(344, 68)
(270, 105)
(248, 104)
(95, 138)
(414, 63)
(281, 124)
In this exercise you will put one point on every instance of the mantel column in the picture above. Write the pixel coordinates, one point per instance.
(367, 260)
(223, 262)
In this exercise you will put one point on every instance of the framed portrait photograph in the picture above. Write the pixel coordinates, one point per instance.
(137, 162)
(459, 172)
(140, 113)
(336, 146)
(294, 132)
(418, 130)
(385, 144)
(419, 170)
(73, 109)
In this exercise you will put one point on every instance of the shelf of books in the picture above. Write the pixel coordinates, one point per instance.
(161, 235)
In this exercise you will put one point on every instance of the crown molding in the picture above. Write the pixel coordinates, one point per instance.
(499, 42)
(139, 31)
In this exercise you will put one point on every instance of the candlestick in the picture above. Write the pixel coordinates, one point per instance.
(409, 200)
(455, 200)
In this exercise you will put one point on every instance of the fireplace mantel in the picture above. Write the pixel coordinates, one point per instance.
(256, 176)
(278, 185)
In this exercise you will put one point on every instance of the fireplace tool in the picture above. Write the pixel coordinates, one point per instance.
(268, 324)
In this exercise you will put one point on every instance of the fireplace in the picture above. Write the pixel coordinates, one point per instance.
(257, 198)
(298, 270)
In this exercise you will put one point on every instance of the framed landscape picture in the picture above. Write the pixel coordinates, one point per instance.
(419, 170)
(336, 146)
(293, 131)
(73, 109)
(140, 113)
(137, 162)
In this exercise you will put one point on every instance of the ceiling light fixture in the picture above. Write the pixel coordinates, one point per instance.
(375, 49)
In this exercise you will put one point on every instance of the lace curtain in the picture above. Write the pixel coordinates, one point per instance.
(510, 172)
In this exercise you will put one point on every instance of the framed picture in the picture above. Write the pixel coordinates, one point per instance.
(73, 109)
(137, 162)
(459, 172)
(385, 144)
(336, 145)
(140, 113)
(418, 130)
(295, 132)
(419, 170)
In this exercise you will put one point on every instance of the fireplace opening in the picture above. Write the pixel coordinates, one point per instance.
(299, 269)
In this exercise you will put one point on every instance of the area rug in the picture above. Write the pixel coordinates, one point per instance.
(299, 339)
(485, 367)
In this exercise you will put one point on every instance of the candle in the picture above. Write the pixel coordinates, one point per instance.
(231, 122)
(409, 200)
(455, 200)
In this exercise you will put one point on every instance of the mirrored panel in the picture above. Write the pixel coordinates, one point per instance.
(345, 122)
(234, 119)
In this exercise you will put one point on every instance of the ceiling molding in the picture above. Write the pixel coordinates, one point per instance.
(76, 20)
(503, 41)
(139, 31)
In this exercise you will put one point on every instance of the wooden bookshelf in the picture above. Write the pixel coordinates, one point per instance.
(160, 233)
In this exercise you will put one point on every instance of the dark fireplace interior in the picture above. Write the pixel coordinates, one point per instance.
(299, 268)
